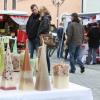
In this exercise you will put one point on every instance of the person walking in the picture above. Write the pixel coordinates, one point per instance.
(74, 41)
(44, 27)
(32, 29)
(93, 43)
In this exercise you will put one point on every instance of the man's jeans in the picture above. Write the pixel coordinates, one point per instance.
(32, 46)
(91, 55)
(74, 51)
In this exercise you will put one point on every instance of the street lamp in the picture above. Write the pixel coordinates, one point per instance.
(57, 3)
(82, 2)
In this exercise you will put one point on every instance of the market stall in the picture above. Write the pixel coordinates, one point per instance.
(12, 24)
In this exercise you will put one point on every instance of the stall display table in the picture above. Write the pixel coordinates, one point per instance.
(73, 92)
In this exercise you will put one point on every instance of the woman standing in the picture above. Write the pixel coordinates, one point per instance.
(44, 27)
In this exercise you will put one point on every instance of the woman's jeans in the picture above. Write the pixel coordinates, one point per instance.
(74, 51)
(66, 53)
(91, 55)
(48, 59)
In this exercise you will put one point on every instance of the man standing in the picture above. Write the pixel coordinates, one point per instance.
(93, 42)
(32, 29)
(75, 39)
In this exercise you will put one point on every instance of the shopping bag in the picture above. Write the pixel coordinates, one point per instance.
(49, 40)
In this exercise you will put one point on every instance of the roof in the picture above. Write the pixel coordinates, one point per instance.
(13, 12)
(86, 15)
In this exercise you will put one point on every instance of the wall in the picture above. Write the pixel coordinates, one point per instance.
(91, 6)
(68, 6)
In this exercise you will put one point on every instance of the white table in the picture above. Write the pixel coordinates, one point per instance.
(73, 92)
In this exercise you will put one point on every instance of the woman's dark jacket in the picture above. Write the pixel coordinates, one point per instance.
(44, 26)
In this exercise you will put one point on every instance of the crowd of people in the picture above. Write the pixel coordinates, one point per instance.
(78, 35)
(69, 41)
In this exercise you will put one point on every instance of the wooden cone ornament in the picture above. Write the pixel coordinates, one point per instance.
(1, 57)
(7, 81)
(42, 77)
(26, 81)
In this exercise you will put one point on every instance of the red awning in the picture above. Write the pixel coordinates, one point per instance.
(20, 20)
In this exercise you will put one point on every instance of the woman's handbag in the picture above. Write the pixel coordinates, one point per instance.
(49, 40)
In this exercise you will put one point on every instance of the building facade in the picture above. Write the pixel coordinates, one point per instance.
(68, 6)
(91, 6)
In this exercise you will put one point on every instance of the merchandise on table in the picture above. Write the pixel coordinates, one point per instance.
(42, 77)
(16, 62)
(26, 78)
(1, 57)
(22, 54)
(60, 76)
(7, 81)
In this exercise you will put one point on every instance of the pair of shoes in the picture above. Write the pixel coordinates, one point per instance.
(94, 63)
(72, 71)
(82, 69)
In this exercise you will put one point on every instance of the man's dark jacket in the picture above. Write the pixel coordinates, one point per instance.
(32, 26)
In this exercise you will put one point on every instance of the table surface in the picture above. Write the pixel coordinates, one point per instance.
(73, 92)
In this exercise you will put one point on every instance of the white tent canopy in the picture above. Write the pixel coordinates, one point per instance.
(13, 12)
(20, 20)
